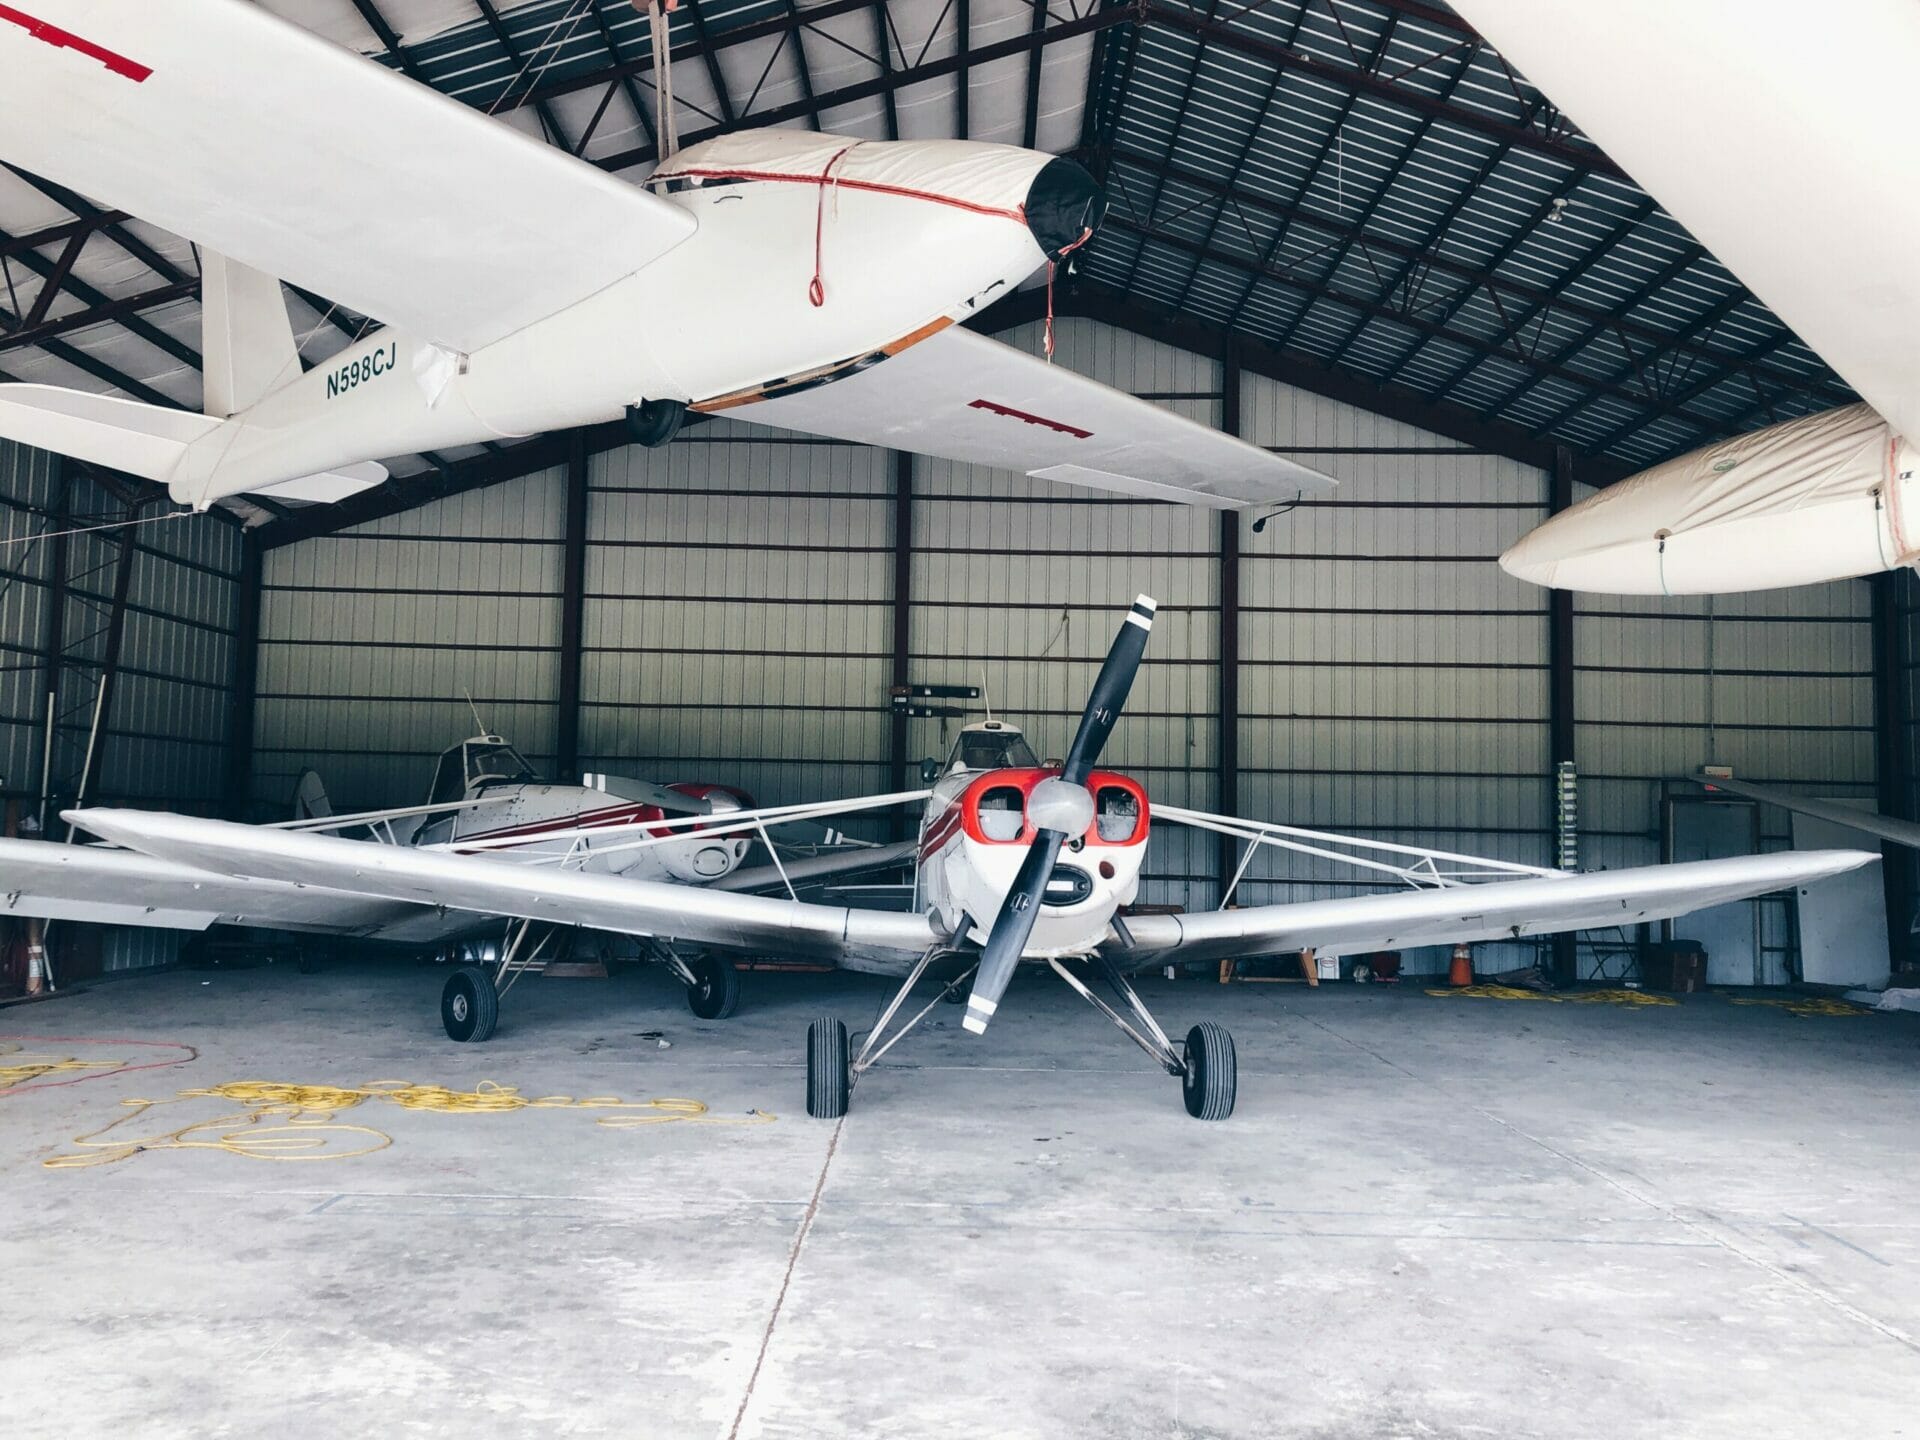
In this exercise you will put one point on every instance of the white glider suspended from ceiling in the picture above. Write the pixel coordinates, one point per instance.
(1782, 137)
(766, 274)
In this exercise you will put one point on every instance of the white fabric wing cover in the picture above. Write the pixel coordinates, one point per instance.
(961, 396)
(1781, 135)
(303, 160)
(1824, 497)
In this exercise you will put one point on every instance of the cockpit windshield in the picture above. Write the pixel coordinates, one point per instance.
(496, 762)
(487, 760)
(1001, 749)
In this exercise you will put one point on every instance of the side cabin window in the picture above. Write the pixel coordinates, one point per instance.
(449, 780)
(1001, 813)
(1116, 814)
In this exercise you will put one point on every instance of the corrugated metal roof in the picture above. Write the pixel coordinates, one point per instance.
(1368, 184)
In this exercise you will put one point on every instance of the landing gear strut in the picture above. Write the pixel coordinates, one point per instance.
(1208, 1071)
(1205, 1066)
(470, 1000)
(831, 1075)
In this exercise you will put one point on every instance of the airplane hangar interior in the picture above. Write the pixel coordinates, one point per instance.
(687, 683)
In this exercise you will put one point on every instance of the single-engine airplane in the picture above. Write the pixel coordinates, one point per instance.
(485, 798)
(1018, 864)
(803, 280)
(1786, 148)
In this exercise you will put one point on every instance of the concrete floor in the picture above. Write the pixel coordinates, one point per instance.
(1430, 1217)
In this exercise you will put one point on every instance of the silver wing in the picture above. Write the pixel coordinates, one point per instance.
(885, 942)
(1493, 910)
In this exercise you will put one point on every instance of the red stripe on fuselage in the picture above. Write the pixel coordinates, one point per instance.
(587, 820)
(66, 40)
(941, 831)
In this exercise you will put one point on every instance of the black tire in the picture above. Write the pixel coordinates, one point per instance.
(469, 1005)
(955, 994)
(1212, 1072)
(828, 1082)
(715, 991)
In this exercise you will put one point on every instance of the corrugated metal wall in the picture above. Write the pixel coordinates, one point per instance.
(1779, 685)
(168, 729)
(737, 619)
(371, 640)
(737, 626)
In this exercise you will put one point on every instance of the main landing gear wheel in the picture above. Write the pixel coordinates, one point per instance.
(1211, 1073)
(469, 1005)
(715, 990)
(829, 1081)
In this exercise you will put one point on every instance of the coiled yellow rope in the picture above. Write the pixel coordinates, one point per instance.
(21, 1068)
(308, 1130)
(1628, 998)
(1812, 1005)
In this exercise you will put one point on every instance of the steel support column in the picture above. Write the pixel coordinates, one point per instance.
(1560, 712)
(54, 641)
(246, 675)
(1227, 741)
(573, 584)
(902, 619)
(1891, 767)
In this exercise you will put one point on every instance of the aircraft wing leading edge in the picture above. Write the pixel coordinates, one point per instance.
(1496, 910)
(961, 396)
(1783, 144)
(886, 941)
(306, 161)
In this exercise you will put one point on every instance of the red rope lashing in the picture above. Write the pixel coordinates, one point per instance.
(1085, 235)
(817, 290)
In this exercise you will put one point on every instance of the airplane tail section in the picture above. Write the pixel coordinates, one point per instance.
(140, 439)
(147, 440)
(310, 800)
(247, 343)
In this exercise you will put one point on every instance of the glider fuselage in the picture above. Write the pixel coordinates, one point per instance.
(725, 316)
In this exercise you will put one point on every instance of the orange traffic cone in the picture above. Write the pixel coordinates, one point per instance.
(1460, 972)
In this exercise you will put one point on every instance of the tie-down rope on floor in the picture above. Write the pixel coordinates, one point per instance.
(307, 1129)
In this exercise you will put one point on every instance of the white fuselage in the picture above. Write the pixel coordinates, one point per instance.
(726, 312)
(543, 823)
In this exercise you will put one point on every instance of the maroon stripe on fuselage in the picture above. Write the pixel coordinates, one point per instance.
(613, 815)
(942, 830)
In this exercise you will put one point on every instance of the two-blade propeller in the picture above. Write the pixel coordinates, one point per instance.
(1060, 808)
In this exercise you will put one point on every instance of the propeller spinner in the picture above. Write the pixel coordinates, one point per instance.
(1059, 808)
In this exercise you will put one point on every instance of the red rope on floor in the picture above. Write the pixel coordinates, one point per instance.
(190, 1055)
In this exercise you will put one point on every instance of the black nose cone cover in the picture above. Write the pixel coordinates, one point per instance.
(1063, 204)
